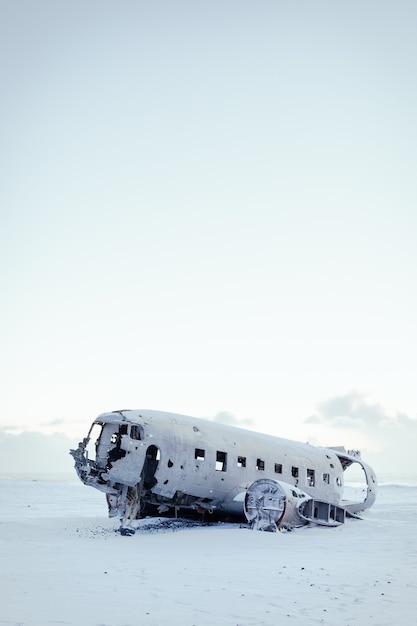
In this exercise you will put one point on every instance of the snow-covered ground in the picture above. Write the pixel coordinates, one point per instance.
(62, 563)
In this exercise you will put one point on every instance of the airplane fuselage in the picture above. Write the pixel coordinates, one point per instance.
(165, 461)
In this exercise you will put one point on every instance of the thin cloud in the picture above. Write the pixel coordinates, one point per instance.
(33, 453)
(389, 439)
(224, 417)
(354, 410)
(55, 422)
(11, 427)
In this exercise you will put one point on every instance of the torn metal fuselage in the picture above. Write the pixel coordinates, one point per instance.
(112, 458)
(151, 462)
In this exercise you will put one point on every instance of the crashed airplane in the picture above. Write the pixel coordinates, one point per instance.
(152, 462)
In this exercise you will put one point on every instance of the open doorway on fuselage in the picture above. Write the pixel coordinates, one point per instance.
(150, 466)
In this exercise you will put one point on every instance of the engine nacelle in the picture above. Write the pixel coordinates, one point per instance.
(271, 504)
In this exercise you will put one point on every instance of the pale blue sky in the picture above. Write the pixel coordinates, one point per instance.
(205, 207)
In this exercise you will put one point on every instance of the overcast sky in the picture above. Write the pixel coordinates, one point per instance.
(209, 206)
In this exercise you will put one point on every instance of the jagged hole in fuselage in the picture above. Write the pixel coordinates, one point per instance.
(355, 485)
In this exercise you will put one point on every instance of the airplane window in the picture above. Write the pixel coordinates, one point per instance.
(135, 432)
(311, 477)
(260, 464)
(294, 472)
(199, 454)
(221, 461)
(241, 461)
(326, 478)
(278, 468)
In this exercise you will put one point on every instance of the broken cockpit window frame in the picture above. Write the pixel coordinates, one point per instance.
(93, 440)
(116, 452)
(117, 435)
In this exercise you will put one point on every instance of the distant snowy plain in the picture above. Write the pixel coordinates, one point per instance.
(62, 563)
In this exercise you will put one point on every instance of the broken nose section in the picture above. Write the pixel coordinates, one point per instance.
(81, 463)
(272, 504)
(123, 500)
(87, 470)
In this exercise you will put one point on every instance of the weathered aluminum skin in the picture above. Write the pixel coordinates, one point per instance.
(157, 461)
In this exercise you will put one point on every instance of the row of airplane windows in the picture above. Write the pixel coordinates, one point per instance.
(221, 466)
